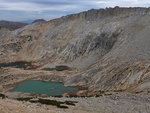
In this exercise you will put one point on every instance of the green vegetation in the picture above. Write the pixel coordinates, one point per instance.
(98, 95)
(62, 68)
(84, 96)
(24, 99)
(58, 68)
(2, 96)
(49, 69)
(70, 103)
(49, 102)
(108, 94)
(58, 96)
(21, 64)
(139, 92)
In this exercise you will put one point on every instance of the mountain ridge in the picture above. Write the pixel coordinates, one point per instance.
(11, 25)
(107, 49)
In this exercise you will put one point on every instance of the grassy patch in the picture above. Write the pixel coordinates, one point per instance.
(49, 102)
(21, 64)
(52, 102)
(24, 99)
(58, 96)
(2, 96)
(62, 68)
(49, 69)
(138, 92)
(98, 95)
(58, 68)
(82, 96)
(70, 103)
(108, 94)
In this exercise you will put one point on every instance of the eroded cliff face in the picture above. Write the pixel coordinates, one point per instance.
(108, 49)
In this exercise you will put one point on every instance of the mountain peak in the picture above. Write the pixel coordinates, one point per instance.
(39, 20)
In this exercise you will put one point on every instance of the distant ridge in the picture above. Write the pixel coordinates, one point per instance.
(11, 25)
(39, 20)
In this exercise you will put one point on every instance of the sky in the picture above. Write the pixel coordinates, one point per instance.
(21, 10)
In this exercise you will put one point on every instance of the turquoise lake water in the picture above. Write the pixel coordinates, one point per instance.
(42, 87)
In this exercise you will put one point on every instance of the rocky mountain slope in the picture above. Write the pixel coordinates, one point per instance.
(107, 49)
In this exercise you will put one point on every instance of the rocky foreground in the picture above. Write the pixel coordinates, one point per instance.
(108, 103)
